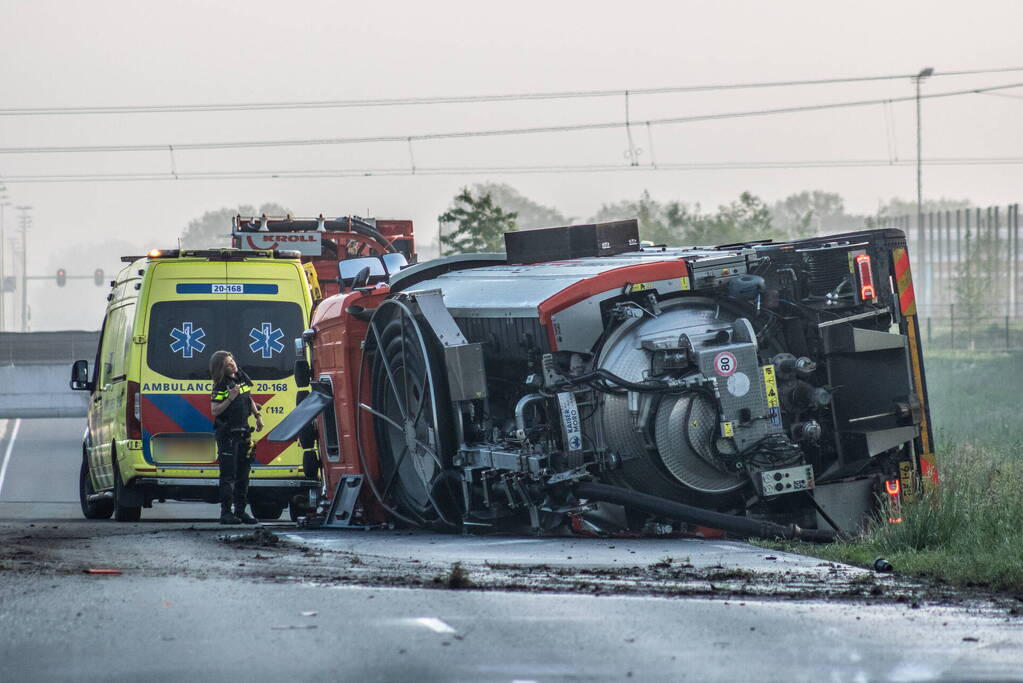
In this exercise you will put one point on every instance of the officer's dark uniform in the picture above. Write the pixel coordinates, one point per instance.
(232, 431)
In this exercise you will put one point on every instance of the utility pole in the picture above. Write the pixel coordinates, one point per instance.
(3, 255)
(924, 73)
(25, 222)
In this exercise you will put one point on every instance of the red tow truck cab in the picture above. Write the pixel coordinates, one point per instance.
(324, 242)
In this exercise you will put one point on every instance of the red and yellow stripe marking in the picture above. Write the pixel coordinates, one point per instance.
(928, 465)
(904, 281)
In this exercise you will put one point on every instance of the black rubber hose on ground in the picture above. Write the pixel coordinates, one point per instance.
(669, 509)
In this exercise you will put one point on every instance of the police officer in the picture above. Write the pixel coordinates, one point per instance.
(232, 405)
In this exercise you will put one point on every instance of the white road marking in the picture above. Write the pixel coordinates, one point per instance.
(435, 625)
(516, 541)
(7, 453)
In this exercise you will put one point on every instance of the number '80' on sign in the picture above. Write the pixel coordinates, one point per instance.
(725, 363)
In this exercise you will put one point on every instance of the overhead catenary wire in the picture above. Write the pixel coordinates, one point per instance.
(501, 170)
(466, 99)
(499, 132)
(1004, 94)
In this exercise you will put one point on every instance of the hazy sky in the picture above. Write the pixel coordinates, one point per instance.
(96, 53)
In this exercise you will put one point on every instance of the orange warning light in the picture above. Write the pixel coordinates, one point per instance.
(894, 487)
(867, 290)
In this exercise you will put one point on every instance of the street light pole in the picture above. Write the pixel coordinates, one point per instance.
(924, 73)
(25, 223)
(3, 255)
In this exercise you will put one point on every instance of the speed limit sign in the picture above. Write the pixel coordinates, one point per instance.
(725, 363)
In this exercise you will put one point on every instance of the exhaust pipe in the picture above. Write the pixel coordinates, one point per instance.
(662, 507)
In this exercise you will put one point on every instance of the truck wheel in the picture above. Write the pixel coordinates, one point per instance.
(123, 513)
(267, 510)
(298, 507)
(98, 509)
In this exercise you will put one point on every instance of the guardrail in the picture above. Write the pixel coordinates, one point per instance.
(35, 371)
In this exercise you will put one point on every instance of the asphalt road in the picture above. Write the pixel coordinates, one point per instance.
(193, 608)
(39, 474)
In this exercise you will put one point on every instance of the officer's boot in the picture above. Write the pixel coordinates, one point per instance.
(244, 517)
(226, 516)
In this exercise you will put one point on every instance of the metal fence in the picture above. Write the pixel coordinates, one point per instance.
(952, 327)
(966, 258)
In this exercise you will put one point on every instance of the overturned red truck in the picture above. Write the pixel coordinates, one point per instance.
(582, 380)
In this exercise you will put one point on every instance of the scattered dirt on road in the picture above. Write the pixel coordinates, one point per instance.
(260, 536)
(203, 550)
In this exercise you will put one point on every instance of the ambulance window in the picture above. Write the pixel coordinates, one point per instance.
(111, 363)
(183, 334)
(330, 440)
(129, 330)
(120, 343)
(262, 337)
(182, 337)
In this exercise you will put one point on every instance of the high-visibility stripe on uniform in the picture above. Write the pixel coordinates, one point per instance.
(904, 281)
(223, 395)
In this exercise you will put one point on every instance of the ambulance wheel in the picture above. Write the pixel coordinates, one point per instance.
(267, 510)
(99, 509)
(123, 513)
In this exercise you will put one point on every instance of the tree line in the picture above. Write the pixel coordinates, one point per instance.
(479, 216)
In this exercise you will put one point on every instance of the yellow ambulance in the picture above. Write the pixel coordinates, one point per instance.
(150, 431)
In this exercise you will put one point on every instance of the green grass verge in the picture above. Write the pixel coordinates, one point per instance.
(969, 530)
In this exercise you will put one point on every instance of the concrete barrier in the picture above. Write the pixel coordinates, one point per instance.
(35, 373)
(40, 391)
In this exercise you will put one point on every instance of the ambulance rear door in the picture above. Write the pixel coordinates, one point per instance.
(268, 304)
(187, 321)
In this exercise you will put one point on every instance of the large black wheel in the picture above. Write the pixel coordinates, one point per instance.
(96, 509)
(267, 510)
(413, 419)
(122, 512)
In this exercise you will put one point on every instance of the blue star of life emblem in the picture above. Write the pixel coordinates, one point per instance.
(267, 340)
(187, 340)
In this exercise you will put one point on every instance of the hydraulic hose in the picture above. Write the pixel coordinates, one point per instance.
(663, 507)
(363, 228)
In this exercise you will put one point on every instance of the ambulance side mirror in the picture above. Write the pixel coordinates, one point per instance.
(80, 376)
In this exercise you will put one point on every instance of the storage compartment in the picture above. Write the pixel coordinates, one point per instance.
(574, 241)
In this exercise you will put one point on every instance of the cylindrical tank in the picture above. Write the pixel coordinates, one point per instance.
(666, 443)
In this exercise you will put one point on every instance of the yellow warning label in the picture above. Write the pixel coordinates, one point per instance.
(685, 283)
(727, 430)
(908, 480)
(641, 286)
(771, 386)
